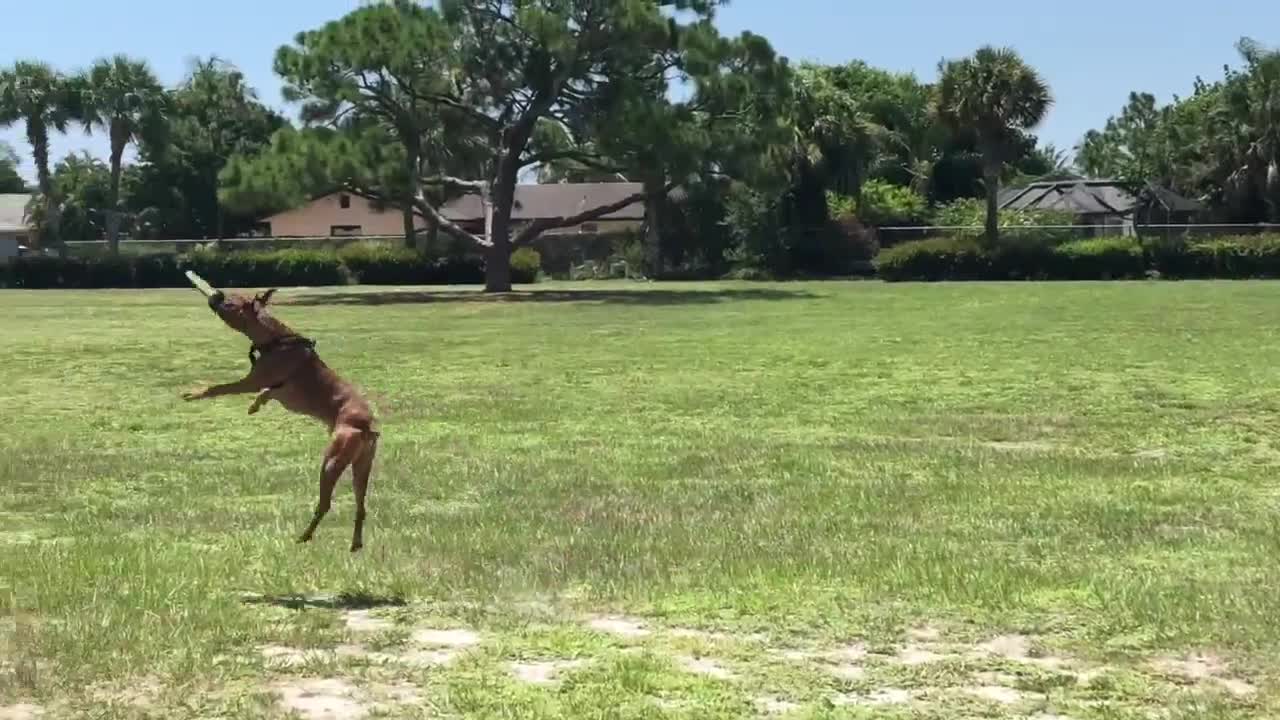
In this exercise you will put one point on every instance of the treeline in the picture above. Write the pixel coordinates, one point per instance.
(752, 163)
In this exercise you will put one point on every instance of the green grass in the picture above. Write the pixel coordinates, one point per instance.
(1090, 465)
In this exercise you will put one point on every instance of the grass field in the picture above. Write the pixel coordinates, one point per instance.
(669, 501)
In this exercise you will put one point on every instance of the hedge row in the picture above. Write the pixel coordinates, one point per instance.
(1106, 258)
(356, 265)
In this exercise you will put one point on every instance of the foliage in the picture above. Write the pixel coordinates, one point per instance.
(526, 263)
(964, 219)
(882, 203)
(213, 115)
(10, 180)
(85, 185)
(1103, 258)
(39, 97)
(122, 97)
(997, 97)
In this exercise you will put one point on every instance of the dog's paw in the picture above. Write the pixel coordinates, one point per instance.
(254, 408)
(195, 393)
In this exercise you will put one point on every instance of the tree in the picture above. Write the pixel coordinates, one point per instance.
(10, 180)
(505, 72)
(213, 115)
(39, 97)
(123, 97)
(997, 97)
(85, 185)
(365, 77)
(1131, 147)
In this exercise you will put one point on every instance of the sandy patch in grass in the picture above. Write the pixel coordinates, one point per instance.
(619, 625)
(996, 693)
(924, 634)
(706, 666)
(881, 696)
(774, 705)
(916, 654)
(845, 671)
(20, 711)
(322, 699)
(364, 621)
(1020, 446)
(455, 638)
(415, 658)
(1204, 668)
(1019, 649)
(543, 672)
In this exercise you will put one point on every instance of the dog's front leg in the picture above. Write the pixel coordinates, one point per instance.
(246, 385)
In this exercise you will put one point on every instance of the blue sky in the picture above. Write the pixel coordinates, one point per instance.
(1093, 53)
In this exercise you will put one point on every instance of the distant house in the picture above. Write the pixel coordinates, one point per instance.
(15, 224)
(337, 214)
(552, 200)
(343, 214)
(1110, 203)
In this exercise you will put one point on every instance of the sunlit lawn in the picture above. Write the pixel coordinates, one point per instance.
(800, 500)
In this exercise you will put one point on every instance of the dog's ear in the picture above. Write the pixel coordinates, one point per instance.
(264, 297)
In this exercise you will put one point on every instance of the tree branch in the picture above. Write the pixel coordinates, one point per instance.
(434, 215)
(473, 186)
(531, 231)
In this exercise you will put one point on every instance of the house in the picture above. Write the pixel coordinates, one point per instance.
(1114, 204)
(343, 214)
(337, 214)
(15, 225)
(535, 202)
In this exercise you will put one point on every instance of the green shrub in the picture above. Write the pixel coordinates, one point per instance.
(1104, 258)
(379, 264)
(969, 216)
(526, 263)
(260, 269)
(886, 204)
(933, 259)
(157, 271)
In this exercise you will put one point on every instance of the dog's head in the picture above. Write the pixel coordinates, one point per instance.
(245, 314)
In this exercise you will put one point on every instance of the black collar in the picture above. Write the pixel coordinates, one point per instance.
(256, 351)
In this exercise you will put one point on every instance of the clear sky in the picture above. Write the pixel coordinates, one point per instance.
(1093, 52)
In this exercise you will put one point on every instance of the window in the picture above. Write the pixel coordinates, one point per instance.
(344, 201)
(344, 230)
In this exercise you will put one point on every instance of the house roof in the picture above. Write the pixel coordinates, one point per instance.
(13, 212)
(1091, 197)
(554, 200)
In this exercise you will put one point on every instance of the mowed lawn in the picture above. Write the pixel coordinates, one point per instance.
(811, 500)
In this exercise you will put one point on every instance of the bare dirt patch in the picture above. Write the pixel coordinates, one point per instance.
(543, 672)
(706, 666)
(1204, 668)
(365, 622)
(322, 699)
(1019, 648)
(881, 696)
(845, 671)
(996, 693)
(917, 654)
(619, 625)
(20, 711)
(924, 633)
(774, 705)
(455, 638)
(1032, 446)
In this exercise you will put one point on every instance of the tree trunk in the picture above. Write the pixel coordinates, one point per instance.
(50, 234)
(652, 230)
(497, 268)
(410, 234)
(113, 199)
(991, 180)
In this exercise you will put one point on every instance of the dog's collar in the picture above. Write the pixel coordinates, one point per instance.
(258, 350)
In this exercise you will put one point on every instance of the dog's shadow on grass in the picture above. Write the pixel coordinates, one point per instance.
(341, 601)
(616, 297)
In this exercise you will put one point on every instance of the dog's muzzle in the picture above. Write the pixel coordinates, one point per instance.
(216, 299)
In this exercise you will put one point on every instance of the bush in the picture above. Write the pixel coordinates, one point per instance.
(970, 215)
(376, 264)
(1105, 258)
(884, 203)
(965, 259)
(526, 264)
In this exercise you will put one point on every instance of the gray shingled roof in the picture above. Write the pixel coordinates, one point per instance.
(554, 200)
(1089, 197)
(13, 212)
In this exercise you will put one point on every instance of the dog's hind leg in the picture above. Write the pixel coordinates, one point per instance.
(360, 471)
(343, 448)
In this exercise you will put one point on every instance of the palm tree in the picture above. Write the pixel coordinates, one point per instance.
(38, 96)
(122, 96)
(997, 97)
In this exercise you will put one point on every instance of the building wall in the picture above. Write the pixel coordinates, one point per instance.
(8, 246)
(325, 216)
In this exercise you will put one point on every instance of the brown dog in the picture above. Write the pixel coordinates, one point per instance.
(284, 367)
